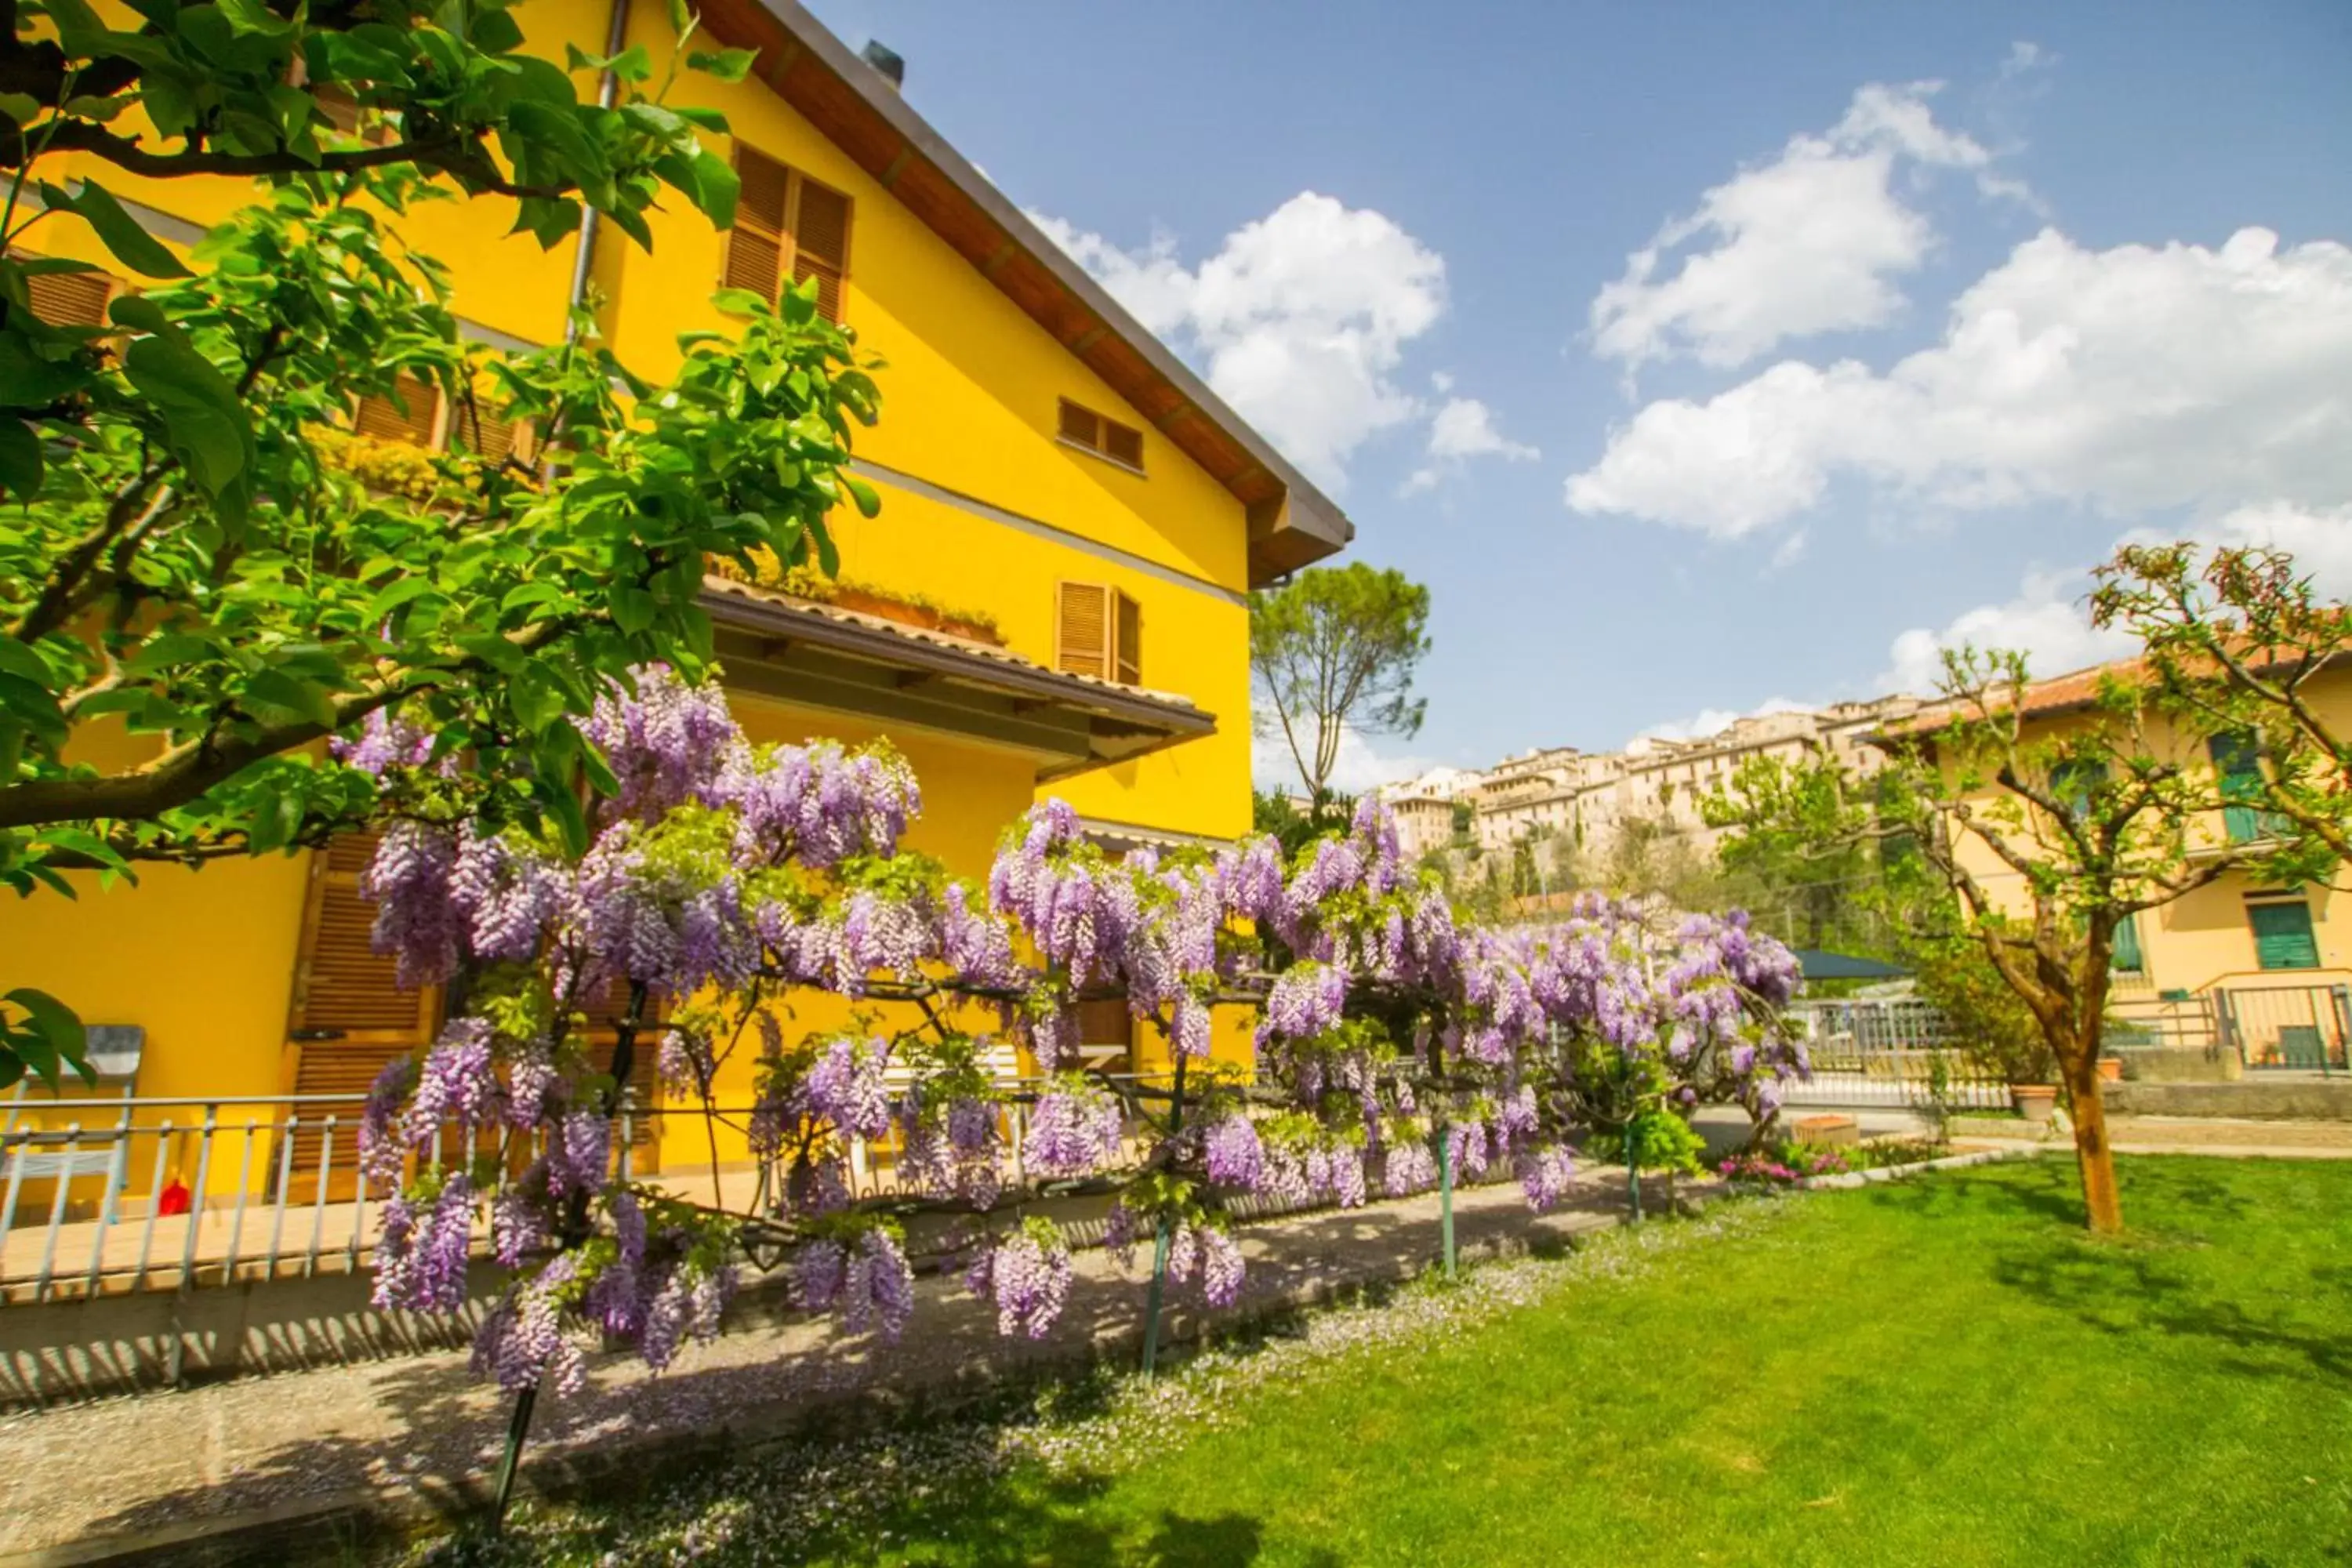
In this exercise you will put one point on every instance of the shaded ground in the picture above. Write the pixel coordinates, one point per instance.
(1942, 1372)
(424, 1428)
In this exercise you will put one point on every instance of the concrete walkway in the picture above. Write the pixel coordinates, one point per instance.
(406, 1438)
(2246, 1138)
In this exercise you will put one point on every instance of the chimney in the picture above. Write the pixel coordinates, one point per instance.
(884, 59)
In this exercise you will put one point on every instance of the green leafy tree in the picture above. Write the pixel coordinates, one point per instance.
(1336, 651)
(202, 578)
(2235, 640)
(2049, 832)
(235, 88)
(1793, 852)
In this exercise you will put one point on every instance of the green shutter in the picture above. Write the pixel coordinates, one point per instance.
(2237, 759)
(2127, 960)
(2283, 936)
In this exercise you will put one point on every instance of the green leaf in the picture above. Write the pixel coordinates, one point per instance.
(22, 108)
(118, 230)
(253, 17)
(20, 460)
(17, 660)
(861, 494)
(829, 554)
(495, 651)
(276, 689)
(727, 64)
(202, 421)
(633, 608)
(393, 595)
(527, 593)
(57, 1027)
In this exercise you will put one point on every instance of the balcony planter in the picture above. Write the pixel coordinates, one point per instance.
(2034, 1101)
(871, 604)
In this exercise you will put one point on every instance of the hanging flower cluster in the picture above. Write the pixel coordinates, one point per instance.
(1393, 1048)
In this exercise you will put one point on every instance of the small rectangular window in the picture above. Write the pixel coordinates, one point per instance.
(2284, 938)
(787, 225)
(1102, 436)
(2129, 959)
(410, 412)
(1098, 632)
(69, 298)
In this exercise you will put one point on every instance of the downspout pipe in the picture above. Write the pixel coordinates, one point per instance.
(608, 88)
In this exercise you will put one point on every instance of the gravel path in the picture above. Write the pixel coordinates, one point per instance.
(2245, 1137)
(419, 1434)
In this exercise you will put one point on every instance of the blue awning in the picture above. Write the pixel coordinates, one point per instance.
(1816, 965)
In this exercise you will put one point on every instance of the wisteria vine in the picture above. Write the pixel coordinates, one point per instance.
(724, 880)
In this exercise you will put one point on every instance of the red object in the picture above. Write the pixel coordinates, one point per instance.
(174, 1199)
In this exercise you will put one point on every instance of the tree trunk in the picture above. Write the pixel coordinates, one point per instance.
(2102, 1207)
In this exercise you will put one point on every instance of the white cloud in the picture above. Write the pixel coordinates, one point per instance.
(2045, 622)
(1359, 766)
(1301, 319)
(1811, 242)
(2048, 619)
(1710, 722)
(1461, 430)
(2130, 380)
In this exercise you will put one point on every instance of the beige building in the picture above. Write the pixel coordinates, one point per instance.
(1590, 797)
(2264, 969)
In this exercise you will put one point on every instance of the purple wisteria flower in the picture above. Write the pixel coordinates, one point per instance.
(1232, 1154)
(1075, 1130)
(1028, 1276)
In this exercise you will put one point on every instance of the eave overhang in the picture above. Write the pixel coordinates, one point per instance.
(1291, 522)
(814, 656)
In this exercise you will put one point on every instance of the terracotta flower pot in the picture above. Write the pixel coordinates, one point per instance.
(2111, 1070)
(2034, 1101)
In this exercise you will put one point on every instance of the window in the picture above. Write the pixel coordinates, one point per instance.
(2238, 761)
(411, 413)
(1104, 436)
(1098, 632)
(2128, 960)
(2075, 782)
(69, 298)
(2283, 935)
(787, 225)
(416, 411)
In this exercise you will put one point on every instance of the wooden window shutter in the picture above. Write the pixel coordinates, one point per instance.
(349, 1016)
(1122, 442)
(820, 242)
(487, 433)
(2284, 938)
(755, 246)
(71, 298)
(1080, 425)
(1127, 643)
(1083, 618)
(411, 414)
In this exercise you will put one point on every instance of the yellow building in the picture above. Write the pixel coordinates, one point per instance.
(2249, 970)
(1052, 599)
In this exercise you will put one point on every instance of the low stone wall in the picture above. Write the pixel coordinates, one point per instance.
(81, 1349)
(2259, 1096)
(2170, 1065)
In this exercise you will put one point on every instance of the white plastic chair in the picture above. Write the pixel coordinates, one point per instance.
(113, 1052)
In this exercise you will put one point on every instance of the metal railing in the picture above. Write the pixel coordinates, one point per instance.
(1894, 1052)
(2296, 1028)
(181, 1194)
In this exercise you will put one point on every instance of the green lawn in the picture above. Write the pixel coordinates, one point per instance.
(1943, 1371)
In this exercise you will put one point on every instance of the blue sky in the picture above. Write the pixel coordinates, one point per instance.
(1942, 301)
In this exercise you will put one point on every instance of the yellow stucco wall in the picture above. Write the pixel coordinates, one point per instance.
(971, 394)
(2204, 939)
(204, 960)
